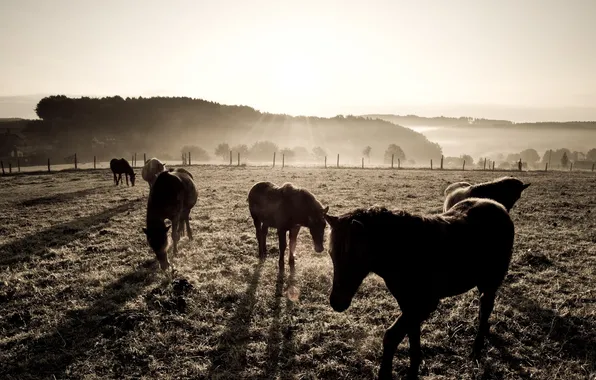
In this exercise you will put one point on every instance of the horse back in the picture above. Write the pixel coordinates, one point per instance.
(278, 206)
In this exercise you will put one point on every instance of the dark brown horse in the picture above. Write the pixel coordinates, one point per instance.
(172, 197)
(505, 190)
(119, 167)
(285, 208)
(422, 260)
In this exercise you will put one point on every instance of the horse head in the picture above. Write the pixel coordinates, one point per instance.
(347, 250)
(316, 225)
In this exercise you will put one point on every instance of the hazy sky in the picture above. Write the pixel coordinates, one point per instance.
(308, 57)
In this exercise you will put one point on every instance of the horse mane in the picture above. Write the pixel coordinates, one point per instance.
(382, 218)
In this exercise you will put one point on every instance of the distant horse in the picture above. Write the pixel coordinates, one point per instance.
(120, 166)
(422, 259)
(505, 190)
(285, 208)
(172, 197)
(151, 169)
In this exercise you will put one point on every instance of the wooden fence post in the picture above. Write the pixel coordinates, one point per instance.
(144, 158)
(484, 167)
(571, 167)
(431, 164)
(362, 162)
(338, 160)
(76, 166)
(441, 162)
(273, 159)
(326, 164)
(48, 165)
(189, 159)
(392, 155)
(593, 166)
(238, 158)
(493, 166)
(464, 166)
(546, 167)
(230, 158)
(2, 163)
(132, 160)
(283, 160)
(94, 162)
(19, 164)
(9, 167)
(399, 163)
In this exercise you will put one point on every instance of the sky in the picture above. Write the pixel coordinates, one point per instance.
(326, 57)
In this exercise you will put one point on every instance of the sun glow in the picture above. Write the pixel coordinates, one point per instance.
(296, 76)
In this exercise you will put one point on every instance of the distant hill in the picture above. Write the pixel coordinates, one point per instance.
(470, 122)
(115, 126)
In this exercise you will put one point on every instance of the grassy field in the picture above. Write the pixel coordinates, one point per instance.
(81, 295)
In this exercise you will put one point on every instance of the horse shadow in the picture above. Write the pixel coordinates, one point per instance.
(230, 355)
(62, 197)
(50, 355)
(28, 247)
(281, 332)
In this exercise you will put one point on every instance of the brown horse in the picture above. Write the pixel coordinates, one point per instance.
(285, 208)
(422, 259)
(121, 166)
(505, 190)
(172, 196)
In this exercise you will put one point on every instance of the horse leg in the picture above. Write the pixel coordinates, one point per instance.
(487, 303)
(188, 230)
(259, 235)
(126, 176)
(115, 180)
(175, 235)
(281, 234)
(392, 338)
(264, 232)
(119, 179)
(293, 240)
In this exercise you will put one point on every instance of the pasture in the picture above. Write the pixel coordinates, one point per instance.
(82, 296)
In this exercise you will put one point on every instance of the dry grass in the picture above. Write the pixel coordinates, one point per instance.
(82, 297)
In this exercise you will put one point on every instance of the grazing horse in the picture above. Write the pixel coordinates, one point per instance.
(152, 168)
(422, 259)
(172, 196)
(120, 166)
(285, 208)
(505, 190)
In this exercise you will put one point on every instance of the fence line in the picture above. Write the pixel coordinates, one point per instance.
(187, 160)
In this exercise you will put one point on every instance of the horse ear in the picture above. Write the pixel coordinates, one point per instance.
(332, 220)
(168, 227)
(525, 186)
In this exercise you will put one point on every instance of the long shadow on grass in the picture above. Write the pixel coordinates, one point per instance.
(24, 249)
(230, 356)
(278, 342)
(49, 356)
(63, 197)
(569, 336)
